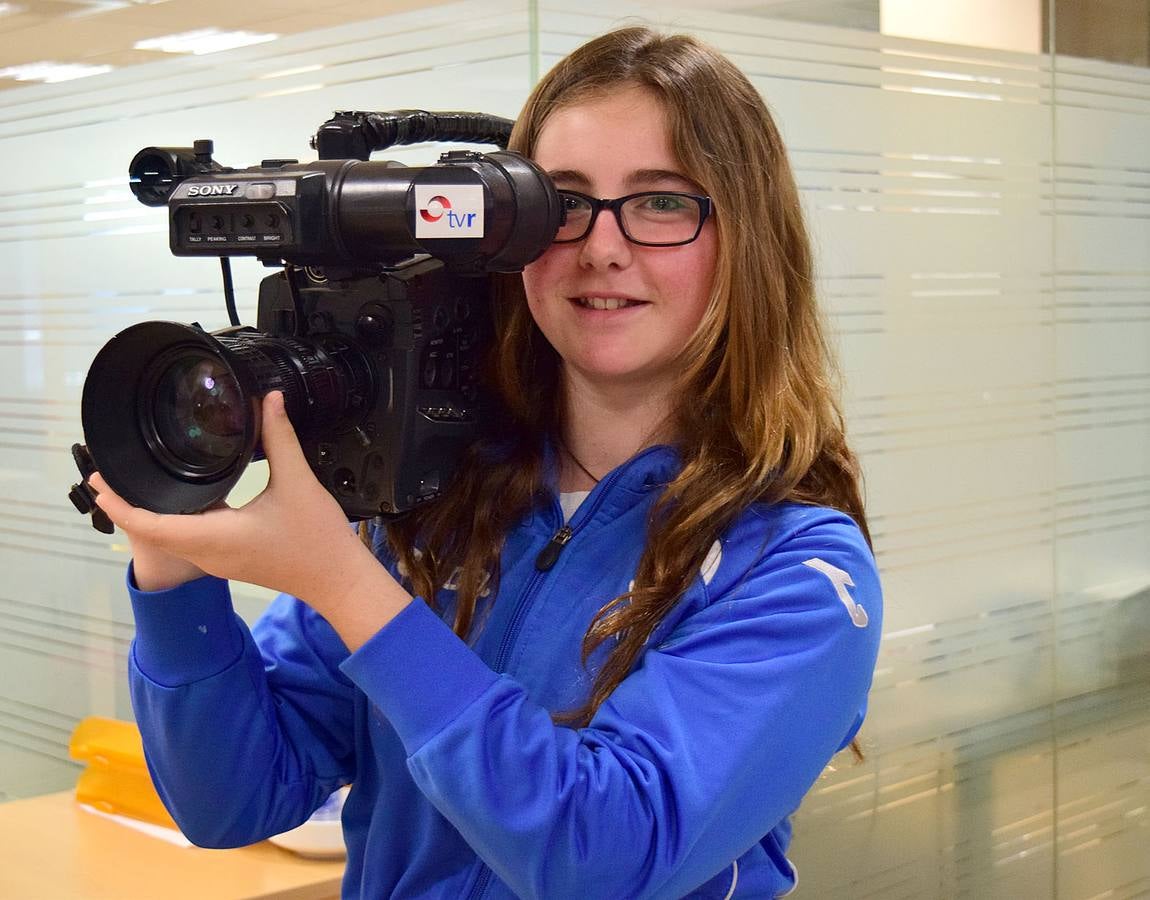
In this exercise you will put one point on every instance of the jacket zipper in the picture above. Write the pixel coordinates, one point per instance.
(549, 555)
(544, 562)
(480, 883)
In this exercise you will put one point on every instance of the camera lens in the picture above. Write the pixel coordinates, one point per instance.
(195, 413)
(170, 416)
(171, 413)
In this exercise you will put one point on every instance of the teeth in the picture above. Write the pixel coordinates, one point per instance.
(604, 302)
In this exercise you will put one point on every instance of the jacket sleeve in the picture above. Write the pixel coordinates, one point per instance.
(242, 743)
(711, 741)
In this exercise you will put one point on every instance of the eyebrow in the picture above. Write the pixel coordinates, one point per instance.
(635, 180)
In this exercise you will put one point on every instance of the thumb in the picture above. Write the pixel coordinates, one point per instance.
(281, 446)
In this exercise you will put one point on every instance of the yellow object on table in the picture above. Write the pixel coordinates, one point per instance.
(53, 847)
(116, 779)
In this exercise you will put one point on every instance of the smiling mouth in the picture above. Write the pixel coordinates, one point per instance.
(605, 302)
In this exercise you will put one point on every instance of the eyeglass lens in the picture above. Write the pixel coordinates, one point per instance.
(651, 218)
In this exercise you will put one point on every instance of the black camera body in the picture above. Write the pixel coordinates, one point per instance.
(375, 329)
(416, 335)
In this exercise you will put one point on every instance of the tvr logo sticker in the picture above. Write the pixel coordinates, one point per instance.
(841, 581)
(436, 207)
(449, 211)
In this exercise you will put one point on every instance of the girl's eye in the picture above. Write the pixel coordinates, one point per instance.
(572, 203)
(665, 203)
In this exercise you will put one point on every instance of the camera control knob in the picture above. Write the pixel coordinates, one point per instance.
(319, 322)
(374, 326)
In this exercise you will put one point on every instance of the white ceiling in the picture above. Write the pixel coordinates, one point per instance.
(103, 32)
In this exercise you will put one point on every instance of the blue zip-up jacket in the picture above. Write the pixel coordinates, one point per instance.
(462, 784)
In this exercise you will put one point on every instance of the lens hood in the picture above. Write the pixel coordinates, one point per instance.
(132, 420)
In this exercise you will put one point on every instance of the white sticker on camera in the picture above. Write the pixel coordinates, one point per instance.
(448, 211)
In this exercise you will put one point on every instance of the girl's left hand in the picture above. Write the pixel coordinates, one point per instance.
(293, 537)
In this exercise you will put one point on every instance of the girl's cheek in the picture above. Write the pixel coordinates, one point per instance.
(535, 277)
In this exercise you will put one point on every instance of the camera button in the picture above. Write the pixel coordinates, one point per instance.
(261, 190)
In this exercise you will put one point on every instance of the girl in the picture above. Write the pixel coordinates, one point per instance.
(646, 612)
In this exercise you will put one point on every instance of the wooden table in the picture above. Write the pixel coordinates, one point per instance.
(53, 849)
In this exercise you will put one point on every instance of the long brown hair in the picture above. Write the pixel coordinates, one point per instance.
(758, 370)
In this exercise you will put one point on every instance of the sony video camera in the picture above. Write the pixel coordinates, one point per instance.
(374, 328)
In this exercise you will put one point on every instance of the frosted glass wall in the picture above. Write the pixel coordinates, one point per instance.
(82, 260)
(1102, 477)
(982, 219)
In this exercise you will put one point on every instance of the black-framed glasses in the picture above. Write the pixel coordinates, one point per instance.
(649, 218)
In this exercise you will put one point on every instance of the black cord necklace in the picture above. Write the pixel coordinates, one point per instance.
(575, 459)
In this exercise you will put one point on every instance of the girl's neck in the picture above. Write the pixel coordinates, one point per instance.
(604, 428)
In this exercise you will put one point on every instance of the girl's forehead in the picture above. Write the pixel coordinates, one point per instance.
(623, 132)
(608, 108)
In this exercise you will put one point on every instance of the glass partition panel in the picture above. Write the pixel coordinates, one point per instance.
(84, 260)
(1102, 499)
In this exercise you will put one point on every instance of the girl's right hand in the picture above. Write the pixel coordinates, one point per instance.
(293, 538)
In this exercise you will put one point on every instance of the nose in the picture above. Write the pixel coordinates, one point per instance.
(605, 246)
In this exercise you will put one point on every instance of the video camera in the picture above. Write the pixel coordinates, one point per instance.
(374, 329)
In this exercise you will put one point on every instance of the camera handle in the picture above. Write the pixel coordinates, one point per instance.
(356, 135)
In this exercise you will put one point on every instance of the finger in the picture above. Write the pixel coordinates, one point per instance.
(120, 511)
(99, 485)
(281, 446)
(100, 488)
(179, 534)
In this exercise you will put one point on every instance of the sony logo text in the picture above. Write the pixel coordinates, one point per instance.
(212, 190)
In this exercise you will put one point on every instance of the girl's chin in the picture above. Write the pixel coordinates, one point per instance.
(623, 372)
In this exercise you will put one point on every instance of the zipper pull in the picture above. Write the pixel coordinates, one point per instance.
(549, 554)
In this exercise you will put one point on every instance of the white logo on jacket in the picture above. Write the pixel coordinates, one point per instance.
(841, 580)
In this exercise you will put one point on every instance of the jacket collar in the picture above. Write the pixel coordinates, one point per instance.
(623, 487)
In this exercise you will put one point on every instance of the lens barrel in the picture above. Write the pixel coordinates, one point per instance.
(171, 413)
